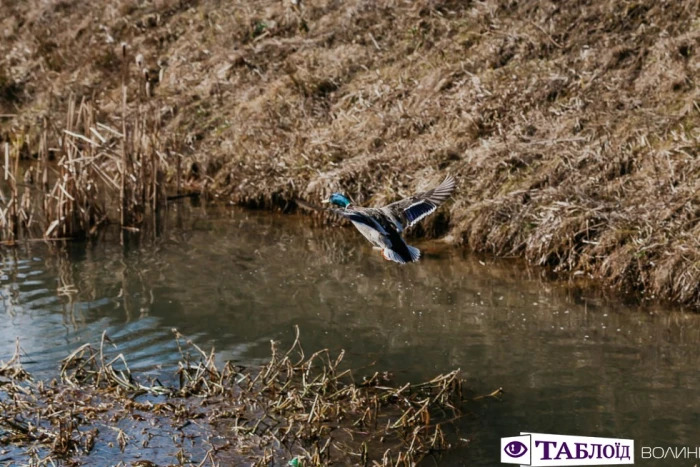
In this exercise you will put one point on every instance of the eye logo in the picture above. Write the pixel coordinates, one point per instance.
(515, 449)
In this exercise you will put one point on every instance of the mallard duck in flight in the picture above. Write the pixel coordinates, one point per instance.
(383, 226)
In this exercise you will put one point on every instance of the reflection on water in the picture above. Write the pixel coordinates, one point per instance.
(236, 280)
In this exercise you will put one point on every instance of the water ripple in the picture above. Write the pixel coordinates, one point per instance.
(570, 364)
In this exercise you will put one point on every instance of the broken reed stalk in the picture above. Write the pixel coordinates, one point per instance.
(122, 192)
(15, 196)
(10, 212)
(178, 175)
(293, 407)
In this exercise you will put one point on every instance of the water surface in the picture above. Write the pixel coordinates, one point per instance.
(234, 280)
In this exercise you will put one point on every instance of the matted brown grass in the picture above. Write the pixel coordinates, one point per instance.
(571, 127)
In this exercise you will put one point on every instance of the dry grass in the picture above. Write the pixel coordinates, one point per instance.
(294, 407)
(93, 174)
(573, 130)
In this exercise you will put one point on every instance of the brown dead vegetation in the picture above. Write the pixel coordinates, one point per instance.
(100, 174)
(572, 127)
(297, 408)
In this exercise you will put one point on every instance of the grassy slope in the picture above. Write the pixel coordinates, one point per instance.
(572, 127)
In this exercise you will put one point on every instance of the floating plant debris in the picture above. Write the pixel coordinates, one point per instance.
(295, 409)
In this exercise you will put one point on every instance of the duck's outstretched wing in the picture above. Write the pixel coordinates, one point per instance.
(411, 210)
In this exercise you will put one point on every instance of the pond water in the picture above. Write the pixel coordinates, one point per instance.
(569, 363)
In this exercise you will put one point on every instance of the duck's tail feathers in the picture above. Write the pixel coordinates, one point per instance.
(391, 255)
(415, 252)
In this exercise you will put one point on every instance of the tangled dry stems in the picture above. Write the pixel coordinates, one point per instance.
(294, 406)
(87, 175)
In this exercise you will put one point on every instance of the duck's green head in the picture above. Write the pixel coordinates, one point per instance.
(338, 199)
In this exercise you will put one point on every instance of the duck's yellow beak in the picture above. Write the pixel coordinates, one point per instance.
(325, 201)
